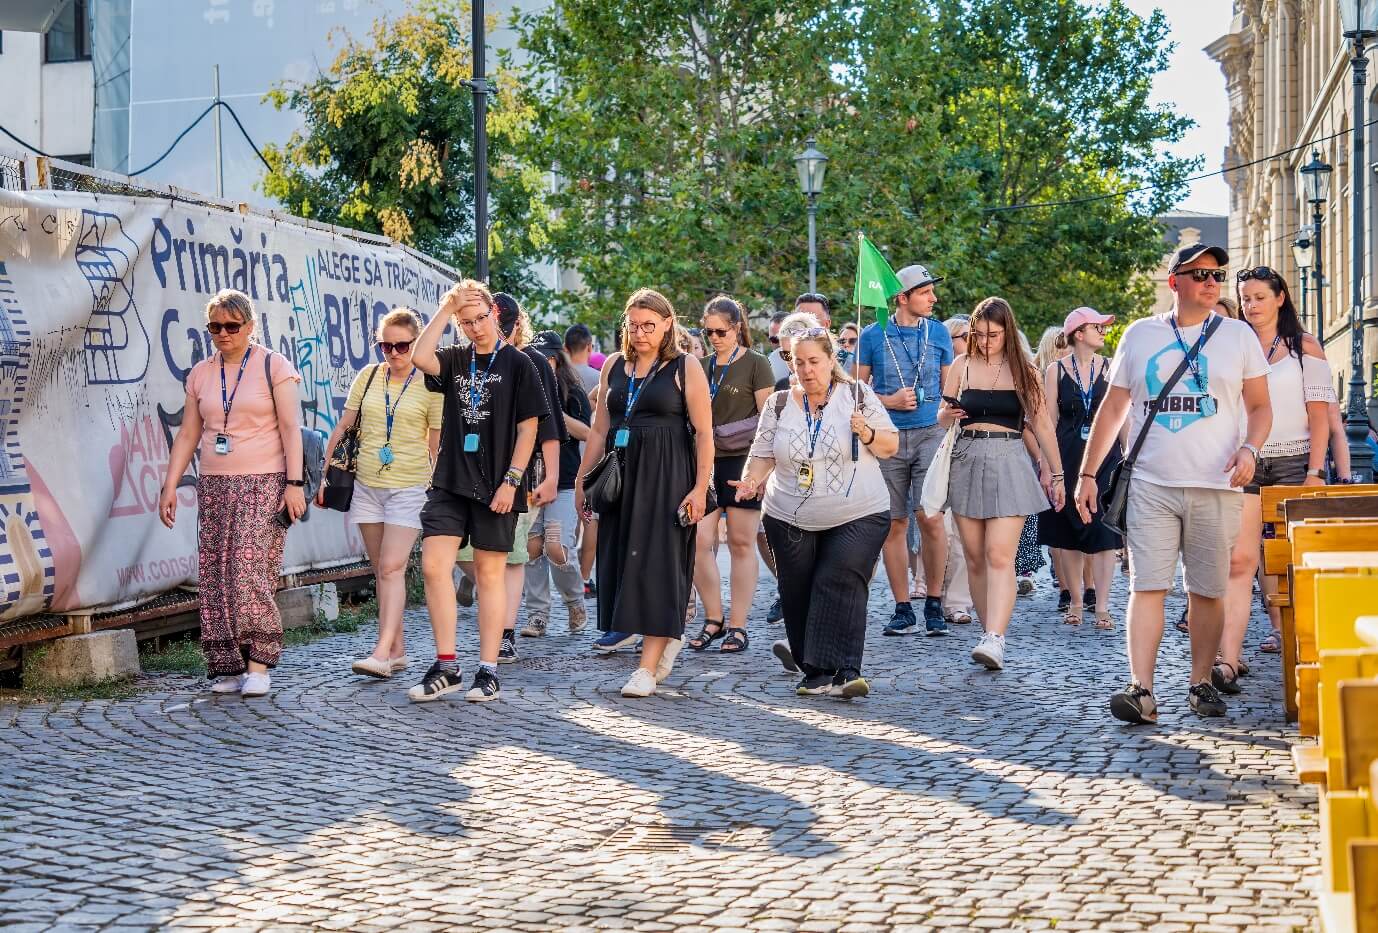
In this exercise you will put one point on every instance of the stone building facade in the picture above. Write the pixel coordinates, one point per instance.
(1290, 87)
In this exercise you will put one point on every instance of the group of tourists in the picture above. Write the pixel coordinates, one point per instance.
(941, 451)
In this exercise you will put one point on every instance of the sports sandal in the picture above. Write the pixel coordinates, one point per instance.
(1271, 644)
(735, 642)
(712, 630)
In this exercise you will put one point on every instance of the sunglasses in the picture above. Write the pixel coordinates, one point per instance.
(470, 325)
(716, 331)
(1203, 275)
(1262, 273)
(787, 356)
(847, 342)
(636, 328)
(215, 327)
(775, 339)
(400, 347)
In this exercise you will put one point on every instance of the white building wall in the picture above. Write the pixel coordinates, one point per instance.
(68, 107)
(21, 105)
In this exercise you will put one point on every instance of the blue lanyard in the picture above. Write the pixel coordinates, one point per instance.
(634, 391)
(475, 394)
(814, 426)
(390, 409)
(1195, 364)
(227, 401)
(921, 345)
(1087, 393)
(1274, 348)
(715, 385)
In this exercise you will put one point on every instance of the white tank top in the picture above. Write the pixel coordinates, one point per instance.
(1291, 384)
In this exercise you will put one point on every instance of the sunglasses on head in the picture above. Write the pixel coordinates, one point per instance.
(716, 332)
(1202, 275)
(231, 328)
(1262, 273)
(400, 347)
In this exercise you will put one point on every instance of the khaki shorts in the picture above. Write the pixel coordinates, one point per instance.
(1199, 524)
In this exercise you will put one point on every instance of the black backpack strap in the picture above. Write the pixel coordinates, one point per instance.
(781, 399)
(359, 421)
(1168, 386)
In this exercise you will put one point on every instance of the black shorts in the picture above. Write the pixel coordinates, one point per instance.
(1288, 470)
(730, 468)
(448, 515)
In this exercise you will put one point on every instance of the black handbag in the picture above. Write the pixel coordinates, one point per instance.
(603, 482)
(1115, 501)
(344, 460)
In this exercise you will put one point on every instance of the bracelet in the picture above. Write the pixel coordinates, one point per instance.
(513, 476)
(873, 437)
(1089, 475)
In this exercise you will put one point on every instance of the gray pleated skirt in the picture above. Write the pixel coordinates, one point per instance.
(993, 478)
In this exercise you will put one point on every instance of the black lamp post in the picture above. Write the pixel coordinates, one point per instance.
(1302, 251)
(811, 164)
(1358, 22)
(479, 87)
(1315, 183)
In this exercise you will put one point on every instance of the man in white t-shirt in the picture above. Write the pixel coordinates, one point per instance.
(1185, 497)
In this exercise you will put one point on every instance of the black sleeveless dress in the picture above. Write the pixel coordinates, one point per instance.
(1065, 529)
(645, 557)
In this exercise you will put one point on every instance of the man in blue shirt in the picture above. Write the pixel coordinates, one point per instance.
(906, 363)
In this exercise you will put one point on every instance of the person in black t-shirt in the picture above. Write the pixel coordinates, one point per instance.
(493, 402)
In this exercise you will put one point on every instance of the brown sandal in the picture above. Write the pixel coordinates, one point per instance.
(1104, 621)
(1072, 616)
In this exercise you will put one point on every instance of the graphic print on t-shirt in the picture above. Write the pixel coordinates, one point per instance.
(1181, 408)
(827, 459)
(464, 389)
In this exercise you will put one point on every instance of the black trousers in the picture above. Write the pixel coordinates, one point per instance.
(825, 578)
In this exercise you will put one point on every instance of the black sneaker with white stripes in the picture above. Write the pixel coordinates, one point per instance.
(437, 682)
(485, 687)
(507, 654)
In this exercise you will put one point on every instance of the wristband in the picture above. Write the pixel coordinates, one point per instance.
(1089, 475)
(296, 482)
(513, 477)
(1251, 449)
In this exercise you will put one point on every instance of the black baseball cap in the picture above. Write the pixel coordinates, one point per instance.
(509, 310)
(1186, 254)
(548, 343)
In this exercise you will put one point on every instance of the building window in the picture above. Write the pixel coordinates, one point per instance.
(69, 38)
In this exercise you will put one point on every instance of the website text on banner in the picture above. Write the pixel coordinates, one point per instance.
(101, 317)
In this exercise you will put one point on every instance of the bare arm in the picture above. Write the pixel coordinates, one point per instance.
(289, 425)
(347, 420)
(423, 354)
(1258, 411)
(1317, 417)
(179, 458)
(762, 396)
(433, 444)
(1105, 427)
(576, 428)
(948, 413)
(598, 432)
(701, 417)
(1339, 442)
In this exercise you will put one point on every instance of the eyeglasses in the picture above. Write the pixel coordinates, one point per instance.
(988, 335)
(716, 331)
(400, 347)
(1098, 328)
(636, 328)
(215, 327)
(1263, 273)
(470, 325)
(1202, 275)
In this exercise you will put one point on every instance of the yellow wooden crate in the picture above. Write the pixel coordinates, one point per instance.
(1341, 759)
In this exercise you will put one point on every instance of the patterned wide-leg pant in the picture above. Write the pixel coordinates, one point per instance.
(240, 563)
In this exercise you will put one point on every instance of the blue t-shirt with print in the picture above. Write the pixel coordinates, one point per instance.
(895, 354)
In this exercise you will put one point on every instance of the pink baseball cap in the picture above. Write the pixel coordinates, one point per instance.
(596, 360)
(1083, 316)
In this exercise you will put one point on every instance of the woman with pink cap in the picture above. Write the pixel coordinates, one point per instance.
(1075, 385)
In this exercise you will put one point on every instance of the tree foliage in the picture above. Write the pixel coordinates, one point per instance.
(387, 145)
(673, 123)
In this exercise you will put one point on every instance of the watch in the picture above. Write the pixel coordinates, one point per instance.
(296, 482)
(1251, 449)
(1319, 474)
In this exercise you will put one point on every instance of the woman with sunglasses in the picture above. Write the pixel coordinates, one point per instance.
(827, 515)
(1075, 386)
(653, 409)
(847, 337)
(993, 487)
(398, 435)
(242, 414)
(739, 382)
(1300, 394)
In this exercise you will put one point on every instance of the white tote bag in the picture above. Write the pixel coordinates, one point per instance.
(933, 497)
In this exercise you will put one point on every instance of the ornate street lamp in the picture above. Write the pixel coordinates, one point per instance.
(1315, 184)
(811, 165)
(1358, 22)
(1302, 251)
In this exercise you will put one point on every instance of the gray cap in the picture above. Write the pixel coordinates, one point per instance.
(916, 276)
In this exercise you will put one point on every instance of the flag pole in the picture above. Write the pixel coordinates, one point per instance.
(856, 355)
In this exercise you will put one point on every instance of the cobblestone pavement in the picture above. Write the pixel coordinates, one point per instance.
(951, 798)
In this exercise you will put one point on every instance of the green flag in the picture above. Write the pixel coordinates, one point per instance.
(875, 280)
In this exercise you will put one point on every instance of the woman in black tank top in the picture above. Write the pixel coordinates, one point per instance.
(992, 485)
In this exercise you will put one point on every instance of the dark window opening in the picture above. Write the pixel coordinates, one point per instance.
(69, 38)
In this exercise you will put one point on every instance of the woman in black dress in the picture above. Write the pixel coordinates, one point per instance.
(1075, 386)
(655, 411)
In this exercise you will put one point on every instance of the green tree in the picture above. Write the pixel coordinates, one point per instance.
(387, 146)
(674, 141)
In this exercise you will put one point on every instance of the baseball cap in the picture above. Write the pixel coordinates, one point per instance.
(509, 311)
(1083, 316)
(1186, 254)
(915, 276)
(548, 343)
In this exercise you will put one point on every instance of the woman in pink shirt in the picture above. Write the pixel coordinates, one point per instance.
(249, 467)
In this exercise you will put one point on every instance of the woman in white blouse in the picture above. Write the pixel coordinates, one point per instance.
(826, 512)
(1294, 455)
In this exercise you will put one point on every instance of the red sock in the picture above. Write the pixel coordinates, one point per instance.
(444, 657)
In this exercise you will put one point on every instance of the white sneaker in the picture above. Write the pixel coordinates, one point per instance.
(667, 660)
(990, 652)
(255, 685)
(372, 667)
(641, 684)
(399, 663)
(228, 684)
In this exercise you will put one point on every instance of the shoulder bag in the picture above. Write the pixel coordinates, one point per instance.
(1115, 502)
(344, 460)
(934, 494)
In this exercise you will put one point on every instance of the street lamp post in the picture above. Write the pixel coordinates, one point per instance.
(479, 87)
(1358, 21)
(1301, 253)
(1315, 183)
(811, 164)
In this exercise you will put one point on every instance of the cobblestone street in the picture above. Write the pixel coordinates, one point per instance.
(950, 798)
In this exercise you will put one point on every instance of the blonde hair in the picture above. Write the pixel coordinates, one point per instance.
(400, 317)
(825, 341)
(648, 299)
(1050, 347)
(237, 303)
